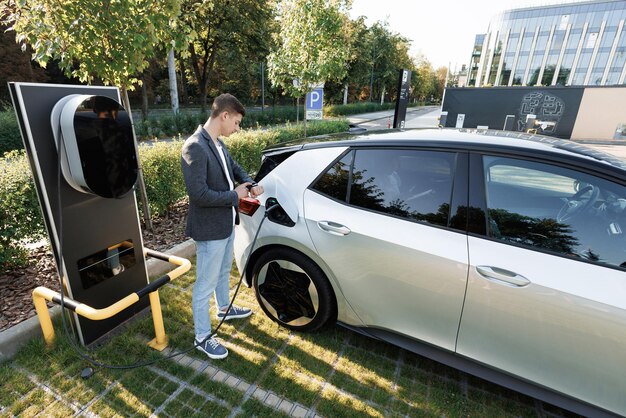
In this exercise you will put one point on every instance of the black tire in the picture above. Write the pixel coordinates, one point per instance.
(293, 291)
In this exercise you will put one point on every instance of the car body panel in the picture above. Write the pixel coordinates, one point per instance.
(545, 320)
(397, 274)
(307, 165)
(561, 329)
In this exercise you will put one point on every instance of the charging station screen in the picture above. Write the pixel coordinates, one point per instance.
(106, 146)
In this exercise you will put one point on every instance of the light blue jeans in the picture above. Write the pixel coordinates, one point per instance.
(213, 262)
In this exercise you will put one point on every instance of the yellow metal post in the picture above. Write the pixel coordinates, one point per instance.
(43, 314)
(160, 340)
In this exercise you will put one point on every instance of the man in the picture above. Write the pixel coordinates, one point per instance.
(210, 176)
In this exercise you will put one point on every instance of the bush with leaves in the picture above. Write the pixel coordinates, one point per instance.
(10, 137)
(20, 214)
(160, 162)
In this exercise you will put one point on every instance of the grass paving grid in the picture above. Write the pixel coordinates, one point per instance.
(269, 372)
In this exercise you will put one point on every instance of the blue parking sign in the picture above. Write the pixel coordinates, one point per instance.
(314, 103)
(315, 99)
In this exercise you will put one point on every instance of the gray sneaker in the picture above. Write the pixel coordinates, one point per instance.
(234, 312)
(212, 348)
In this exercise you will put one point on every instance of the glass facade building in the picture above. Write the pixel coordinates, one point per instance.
(582, 43)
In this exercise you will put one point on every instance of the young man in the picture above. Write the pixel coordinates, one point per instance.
(210, 176)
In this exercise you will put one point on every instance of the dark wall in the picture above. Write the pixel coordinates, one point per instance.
(556, 107)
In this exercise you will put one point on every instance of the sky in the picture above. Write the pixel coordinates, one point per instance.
(443, 30)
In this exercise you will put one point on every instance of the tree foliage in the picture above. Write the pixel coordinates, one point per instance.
(313, 44)
(108, 42)
(224, 31)
(221, 46)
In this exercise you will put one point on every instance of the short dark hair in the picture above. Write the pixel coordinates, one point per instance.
(227, 103)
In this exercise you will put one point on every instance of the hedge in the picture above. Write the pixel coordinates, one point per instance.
(10, 136)
(20, 216)
(166, 125)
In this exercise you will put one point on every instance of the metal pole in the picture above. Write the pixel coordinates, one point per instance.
(262, 87)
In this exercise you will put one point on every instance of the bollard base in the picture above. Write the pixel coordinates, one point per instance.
(159, 346)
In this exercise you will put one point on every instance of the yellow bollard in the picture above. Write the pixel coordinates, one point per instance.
(160, 340)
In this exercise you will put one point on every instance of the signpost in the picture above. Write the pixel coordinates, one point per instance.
(404, 84)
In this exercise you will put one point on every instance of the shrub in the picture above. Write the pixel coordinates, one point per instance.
(160, 162)
(20, 214)
(10, 136)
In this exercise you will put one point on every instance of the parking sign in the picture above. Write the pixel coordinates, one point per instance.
(314, 103)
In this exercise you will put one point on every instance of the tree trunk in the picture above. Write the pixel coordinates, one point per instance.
(140, 182)
(345, 94)
(305, 115)
(382, 96)
(144, 96)
(371, 83)
(183, 82)
(171, 70)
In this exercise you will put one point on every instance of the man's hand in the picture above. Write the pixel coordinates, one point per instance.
(256, 190)
(242, 190)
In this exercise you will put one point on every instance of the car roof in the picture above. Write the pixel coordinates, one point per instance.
(471, 139)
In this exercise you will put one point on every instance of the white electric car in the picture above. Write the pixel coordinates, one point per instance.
(501, 254)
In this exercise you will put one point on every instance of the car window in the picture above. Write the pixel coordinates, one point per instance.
(553, 208)
(412, 184)
(334, 182)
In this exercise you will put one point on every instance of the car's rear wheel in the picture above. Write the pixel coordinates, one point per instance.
(292, 290)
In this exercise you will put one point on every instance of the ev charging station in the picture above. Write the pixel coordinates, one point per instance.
(82, 151)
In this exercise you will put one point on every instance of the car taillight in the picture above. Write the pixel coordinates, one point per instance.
(248, 205)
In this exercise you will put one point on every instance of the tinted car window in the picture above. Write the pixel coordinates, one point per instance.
(334, 182)
(413, 184)
(556, 209)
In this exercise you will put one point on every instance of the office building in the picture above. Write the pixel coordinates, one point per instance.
(569, 44)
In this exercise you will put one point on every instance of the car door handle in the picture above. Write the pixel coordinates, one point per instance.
(506, 277)
(333, 228)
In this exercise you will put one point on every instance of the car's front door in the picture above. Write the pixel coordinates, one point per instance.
(386, 239)
(546, 297)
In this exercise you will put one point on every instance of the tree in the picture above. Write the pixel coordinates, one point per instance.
(221, 28)
(387, 53)
(109, 43)
(313, 44)
(425, 81)
(15, 65)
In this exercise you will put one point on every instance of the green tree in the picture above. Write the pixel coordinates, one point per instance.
(15, 65)
(110, 42)
(387, 53)
(424, 81)
(313, 44)
(221, 30)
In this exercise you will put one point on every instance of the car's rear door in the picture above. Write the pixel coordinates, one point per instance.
(387, 238)
(546, 293)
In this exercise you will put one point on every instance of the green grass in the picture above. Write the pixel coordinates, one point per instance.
(334, 372)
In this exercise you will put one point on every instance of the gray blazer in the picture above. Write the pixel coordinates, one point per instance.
(210, 198)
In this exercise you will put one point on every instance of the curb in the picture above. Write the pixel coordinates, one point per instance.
(12, 339)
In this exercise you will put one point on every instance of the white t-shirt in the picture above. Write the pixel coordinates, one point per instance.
(230, 181)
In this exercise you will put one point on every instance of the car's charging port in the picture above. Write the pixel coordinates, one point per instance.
(276, 213)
